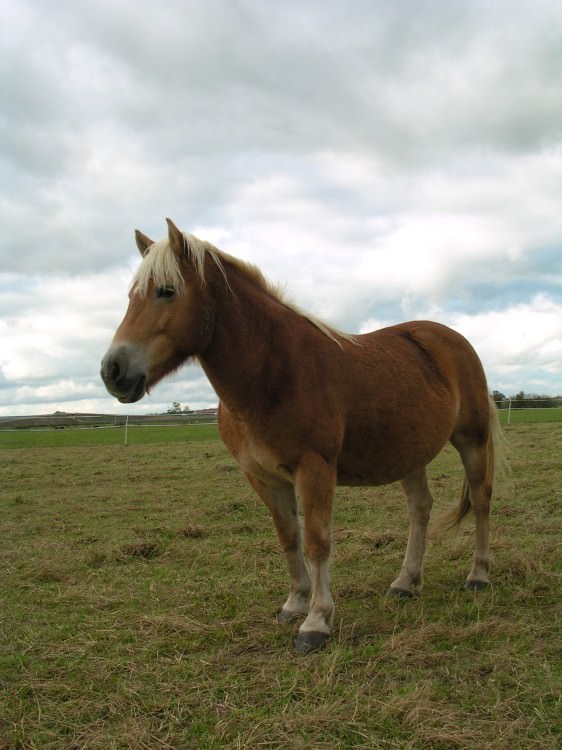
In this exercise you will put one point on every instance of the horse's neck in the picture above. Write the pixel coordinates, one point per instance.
(252, 343)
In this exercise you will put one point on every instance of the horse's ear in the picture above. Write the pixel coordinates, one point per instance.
(143, 242)
(175, 238)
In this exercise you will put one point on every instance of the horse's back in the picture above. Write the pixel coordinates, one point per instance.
(424, 352)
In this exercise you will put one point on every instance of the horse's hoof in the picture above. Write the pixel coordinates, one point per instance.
(476, 585)
(402, 593)
(311, 640)
(285, 616)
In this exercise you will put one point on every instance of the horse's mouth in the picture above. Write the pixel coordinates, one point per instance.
(135, 394)
(129, 391)
(123, 372)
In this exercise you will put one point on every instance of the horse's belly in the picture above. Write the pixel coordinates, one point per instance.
(381, 457)
(353, 475)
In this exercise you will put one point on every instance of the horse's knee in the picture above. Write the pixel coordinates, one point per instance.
(317, 546)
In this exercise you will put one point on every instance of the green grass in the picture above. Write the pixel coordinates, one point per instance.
(99, 436)
(72, 437)
(138, 587)
(531, 416)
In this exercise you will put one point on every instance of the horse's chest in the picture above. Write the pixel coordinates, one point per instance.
(256, 457)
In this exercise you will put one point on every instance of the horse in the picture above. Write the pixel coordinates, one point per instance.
(304, 407)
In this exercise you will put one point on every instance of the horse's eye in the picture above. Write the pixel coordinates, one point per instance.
(165, 292)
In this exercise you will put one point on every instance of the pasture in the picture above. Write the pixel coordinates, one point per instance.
(138, 587)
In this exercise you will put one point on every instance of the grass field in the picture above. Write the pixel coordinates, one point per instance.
(137, 435)
(138, 586)
(85, 437)
(531, 416)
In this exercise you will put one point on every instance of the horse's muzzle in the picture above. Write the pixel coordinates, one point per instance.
(123, 370)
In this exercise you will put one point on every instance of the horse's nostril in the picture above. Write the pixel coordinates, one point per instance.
(123, 370)
(115, 371)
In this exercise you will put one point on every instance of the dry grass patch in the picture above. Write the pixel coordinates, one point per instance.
(139, 587)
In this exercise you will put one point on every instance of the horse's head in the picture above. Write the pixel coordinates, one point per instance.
(169, 317)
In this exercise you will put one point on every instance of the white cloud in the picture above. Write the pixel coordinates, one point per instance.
(518, 345)
(384, 160)
(523, 335)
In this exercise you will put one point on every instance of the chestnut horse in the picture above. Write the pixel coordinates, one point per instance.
(304, 407)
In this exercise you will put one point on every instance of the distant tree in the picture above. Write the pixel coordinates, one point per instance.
(518, 400)
(175, 408)
(540, 401)
(499, 397)
(524, 400)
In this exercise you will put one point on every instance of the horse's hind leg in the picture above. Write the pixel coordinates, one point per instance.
(478, 466)
(282, 505)
(419, 499)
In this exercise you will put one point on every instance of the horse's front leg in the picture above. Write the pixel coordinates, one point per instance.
(315, 484)
(282, 505)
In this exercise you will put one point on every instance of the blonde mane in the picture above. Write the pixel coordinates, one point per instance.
(160, 266)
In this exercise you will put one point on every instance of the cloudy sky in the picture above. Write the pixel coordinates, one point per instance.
(385, 159)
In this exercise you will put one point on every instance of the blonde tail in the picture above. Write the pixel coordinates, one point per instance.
(497, 465)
